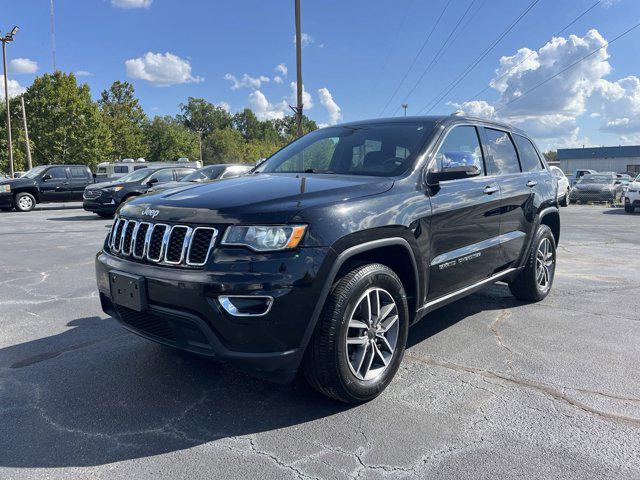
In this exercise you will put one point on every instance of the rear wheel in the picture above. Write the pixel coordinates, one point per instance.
(534, 282)
(629, 208)
(361, 335)
(24, 202)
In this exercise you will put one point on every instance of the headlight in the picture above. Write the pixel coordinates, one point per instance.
(5, 188)
(265, 238)
(114, 189)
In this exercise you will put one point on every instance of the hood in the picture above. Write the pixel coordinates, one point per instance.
(17, 182)
(593, 187)
(102, 185)
(265, 198)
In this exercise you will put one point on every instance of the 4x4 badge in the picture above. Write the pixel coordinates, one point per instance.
(150, 212)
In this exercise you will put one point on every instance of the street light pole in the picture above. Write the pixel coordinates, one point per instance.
(200, 143)
(6, 39)
(298, 70)
(405, 106)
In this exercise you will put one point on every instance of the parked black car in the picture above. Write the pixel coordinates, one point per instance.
(205, 174)
(596, 187)
(46, 183)
(340, 241)
(105, 198)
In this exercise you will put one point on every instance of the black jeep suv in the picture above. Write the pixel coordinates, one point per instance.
(340, 241)
(46, 183)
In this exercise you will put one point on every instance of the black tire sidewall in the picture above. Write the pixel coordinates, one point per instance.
(542, 233)
(366, 389)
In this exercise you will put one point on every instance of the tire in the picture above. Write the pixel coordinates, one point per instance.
(526, 286)
(330, 364)
(24, 202)
(565, 200)
(629, 208)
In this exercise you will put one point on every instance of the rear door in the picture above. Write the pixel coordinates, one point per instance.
(79, 178)
(465, 220)
(56, 186)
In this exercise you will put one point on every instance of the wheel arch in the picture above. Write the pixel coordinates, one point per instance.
(551, 218)
(30, 190)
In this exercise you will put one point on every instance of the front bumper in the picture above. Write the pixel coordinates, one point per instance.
(632, 199)
(6, 200)
(592, 195)
(184, 310)
(103, 204)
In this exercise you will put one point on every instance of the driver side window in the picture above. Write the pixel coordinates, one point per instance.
(460, 148)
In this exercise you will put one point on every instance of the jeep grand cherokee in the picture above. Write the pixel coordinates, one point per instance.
(323, 258)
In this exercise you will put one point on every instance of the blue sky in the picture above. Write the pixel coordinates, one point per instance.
(357, 53)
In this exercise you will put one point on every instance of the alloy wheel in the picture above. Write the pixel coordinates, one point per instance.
(372, 334)
(544, 264)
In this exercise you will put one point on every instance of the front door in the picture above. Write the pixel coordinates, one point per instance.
(465, 221)
(54, 185)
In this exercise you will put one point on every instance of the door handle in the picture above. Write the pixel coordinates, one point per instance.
(489, 189)
(531, 183)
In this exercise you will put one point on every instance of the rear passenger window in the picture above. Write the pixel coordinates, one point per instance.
(529, 158)
(78, 172)
(503, 159)
(57, 172)
(460, 147)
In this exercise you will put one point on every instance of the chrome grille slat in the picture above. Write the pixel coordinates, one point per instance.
(162, 244)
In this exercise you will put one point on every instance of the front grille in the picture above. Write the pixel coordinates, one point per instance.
(177, 245)
(92, 194)
(147, 322)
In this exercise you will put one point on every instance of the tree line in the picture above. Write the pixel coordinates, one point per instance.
(67, 126)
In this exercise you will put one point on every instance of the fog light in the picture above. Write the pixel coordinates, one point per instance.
(246, 305)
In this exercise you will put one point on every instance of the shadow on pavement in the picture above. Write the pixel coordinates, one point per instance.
(80, 218)
(618, 211)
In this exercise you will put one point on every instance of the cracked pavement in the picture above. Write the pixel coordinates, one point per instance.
(489, 387)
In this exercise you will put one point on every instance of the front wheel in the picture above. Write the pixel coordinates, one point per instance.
(24, 202)
(361, 335)
(534, 282)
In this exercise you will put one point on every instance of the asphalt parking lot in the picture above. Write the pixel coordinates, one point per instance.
(489, 388)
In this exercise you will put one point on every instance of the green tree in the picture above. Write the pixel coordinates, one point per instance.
(65, 124)
(551, 155)
(169, 140)
(248, 124)
(125, 119)
(17, 132)
(199, 115)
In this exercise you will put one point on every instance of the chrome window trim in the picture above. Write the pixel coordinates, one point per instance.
(209, 248)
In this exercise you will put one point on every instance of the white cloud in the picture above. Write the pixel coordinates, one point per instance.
(327, 101)
(223, 105)
(264, 109)
(23, 65)
(83, 73)
(282, 69)
(131, 3)
(14, 88)
(476, 108)
(161, 69)
(618, 105)
(278, 79)
(305, 39)
(247, 81)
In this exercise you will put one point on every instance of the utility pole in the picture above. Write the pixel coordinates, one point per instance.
(6, 39)
(405, 106)
(53, 37)
(299, 106)
(26, 132)
(200, 143)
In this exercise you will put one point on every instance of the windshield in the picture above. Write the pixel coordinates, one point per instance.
(135, 176)
(34, 172)
(202, 175)
(385, 149)
(596, 179)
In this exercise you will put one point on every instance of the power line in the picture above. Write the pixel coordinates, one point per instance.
(568, 67)
(436, 56)
(374, 90)
(444, 92)
(529, 56)
(415, 58)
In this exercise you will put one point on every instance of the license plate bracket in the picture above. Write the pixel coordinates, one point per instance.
(128, 290)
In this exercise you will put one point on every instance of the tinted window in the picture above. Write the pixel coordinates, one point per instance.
(384, 149)
(503, 158)
(529, 158)
(165, 175)
(120, 169)
(57, 172)
(460, 147)
(183, 172)
(78, 172)
(139, 167)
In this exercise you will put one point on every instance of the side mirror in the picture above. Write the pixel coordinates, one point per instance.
(454, 166)
(152, 181)
(46, 176)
